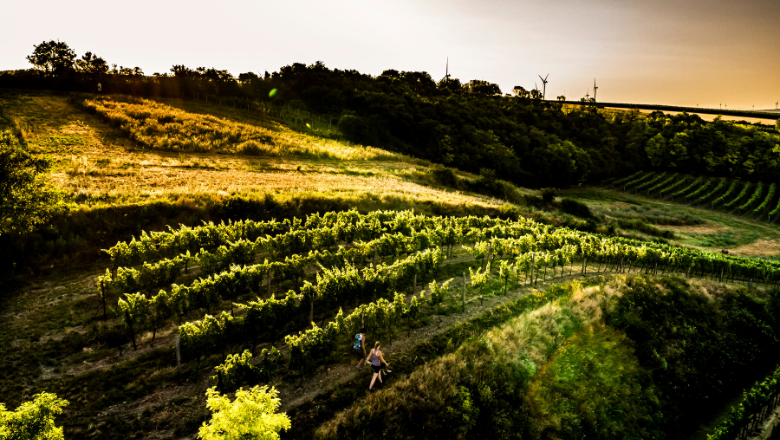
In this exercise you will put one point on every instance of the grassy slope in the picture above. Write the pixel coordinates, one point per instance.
(701, 228)
(47, 345)
(97, 164)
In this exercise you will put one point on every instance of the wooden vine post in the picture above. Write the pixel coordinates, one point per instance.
(463, 296)
(178, 356)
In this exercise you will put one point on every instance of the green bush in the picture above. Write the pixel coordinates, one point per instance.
(576, 208)
(444, 175)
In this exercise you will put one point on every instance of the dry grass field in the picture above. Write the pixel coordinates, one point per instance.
(97, 163)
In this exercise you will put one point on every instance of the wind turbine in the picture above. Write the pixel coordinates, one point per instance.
(594, 89)
(776, 102)
(544, 85)
(447, 71)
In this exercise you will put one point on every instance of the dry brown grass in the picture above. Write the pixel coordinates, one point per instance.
(98, 164)
(707, 228)
(760, 248)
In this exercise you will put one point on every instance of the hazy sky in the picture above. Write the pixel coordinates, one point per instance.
(655, 51)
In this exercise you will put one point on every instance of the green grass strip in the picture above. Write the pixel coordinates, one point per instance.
(701, 189)
(744, 191)
(664, 183)
(650, 182)
(688, 188)
(727, 194)
(674, 186)
(713, 192)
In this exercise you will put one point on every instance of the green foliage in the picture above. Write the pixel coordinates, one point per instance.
(673, 187)
(685, 190)
(714, 191)
(663, 183)
(727, 195)
(767, 200)
(33, 420)
(701, 189)
(594, 387)
(26, 199)
(252, 414)
(52, 57)
(575, 207)
(715, 342)
(444, 175)
(754, 197)
(739, 196)
(755, 402)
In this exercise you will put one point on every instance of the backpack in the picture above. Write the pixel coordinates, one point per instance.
(358, 338)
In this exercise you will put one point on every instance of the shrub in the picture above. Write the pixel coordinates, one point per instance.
(548, 194)
(444, 175)
(577, 208)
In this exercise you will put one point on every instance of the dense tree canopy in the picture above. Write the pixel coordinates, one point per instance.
(524, 139)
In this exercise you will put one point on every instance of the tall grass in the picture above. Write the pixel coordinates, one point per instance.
(482, 389)
(156, 125)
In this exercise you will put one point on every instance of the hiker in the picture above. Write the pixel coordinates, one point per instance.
(376, 364)
(359, 348)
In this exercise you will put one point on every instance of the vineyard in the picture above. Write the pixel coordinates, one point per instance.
(758, 201)
(271, 281)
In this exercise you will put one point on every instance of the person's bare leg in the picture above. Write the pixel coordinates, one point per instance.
(373, 379)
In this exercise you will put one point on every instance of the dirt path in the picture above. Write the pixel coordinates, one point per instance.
(325, 378)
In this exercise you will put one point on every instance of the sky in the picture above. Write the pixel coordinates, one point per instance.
(676, 52)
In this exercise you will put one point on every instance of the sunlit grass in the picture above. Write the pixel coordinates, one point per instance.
(156, 125)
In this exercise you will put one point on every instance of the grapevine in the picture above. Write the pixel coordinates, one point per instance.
(756, 194)
(739, 196)
(769, 196)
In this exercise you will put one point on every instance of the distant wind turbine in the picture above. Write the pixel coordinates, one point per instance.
(544, 85)
(447, 71)
(594, 89)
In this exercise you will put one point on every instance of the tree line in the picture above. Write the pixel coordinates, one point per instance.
(471, 126)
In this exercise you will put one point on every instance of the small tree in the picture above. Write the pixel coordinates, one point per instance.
(26, 199)
(33, 420)
(251, 415)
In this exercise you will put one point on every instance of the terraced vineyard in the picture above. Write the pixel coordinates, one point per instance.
(755, 200)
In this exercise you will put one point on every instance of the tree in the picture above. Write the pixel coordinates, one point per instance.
(251, 415)
(26, 199)
(480, 87)
(52, 57)
(33, 420)
(90, 63)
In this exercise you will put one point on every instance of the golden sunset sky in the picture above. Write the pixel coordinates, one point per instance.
(662, 51)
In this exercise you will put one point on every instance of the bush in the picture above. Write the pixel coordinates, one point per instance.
(548, 194)
(355, 129)
(445, 176)
(576, 208)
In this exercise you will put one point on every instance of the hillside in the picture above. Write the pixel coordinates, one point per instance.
(262, 246)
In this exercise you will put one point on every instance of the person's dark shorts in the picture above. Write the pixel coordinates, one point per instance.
(359, 354)
(376, 368)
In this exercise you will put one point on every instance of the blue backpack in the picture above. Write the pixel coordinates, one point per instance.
(358, 338)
